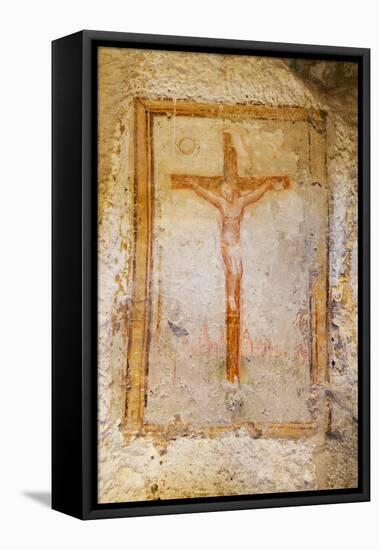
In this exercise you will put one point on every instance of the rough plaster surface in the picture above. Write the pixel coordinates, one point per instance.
(140, 468)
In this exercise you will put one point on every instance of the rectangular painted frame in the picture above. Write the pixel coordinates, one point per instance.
(74, 315)
(144, 112)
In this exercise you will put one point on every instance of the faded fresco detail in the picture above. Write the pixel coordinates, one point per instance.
(194, 355)
(227, 275)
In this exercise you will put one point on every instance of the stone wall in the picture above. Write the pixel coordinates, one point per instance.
(140, 468)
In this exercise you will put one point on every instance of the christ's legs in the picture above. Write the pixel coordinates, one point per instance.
(233, 266)
(233, 274)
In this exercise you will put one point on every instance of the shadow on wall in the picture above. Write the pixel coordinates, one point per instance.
(41, 497)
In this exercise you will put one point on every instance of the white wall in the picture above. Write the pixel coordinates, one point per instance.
(27, 28)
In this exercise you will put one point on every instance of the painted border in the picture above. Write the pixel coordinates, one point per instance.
(138, 327)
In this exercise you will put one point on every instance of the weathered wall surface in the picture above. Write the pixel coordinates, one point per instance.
(233, 463)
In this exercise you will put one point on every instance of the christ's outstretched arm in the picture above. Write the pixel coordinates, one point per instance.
(255, 195)
(206, 194)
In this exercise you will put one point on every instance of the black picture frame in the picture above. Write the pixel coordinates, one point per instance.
(74, 272)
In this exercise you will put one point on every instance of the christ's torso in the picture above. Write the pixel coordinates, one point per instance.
(231, 213)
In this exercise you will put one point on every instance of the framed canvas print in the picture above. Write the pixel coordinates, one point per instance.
(210, 274)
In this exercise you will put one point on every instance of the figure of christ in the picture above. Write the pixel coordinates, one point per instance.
(231, 205)
(223, 192)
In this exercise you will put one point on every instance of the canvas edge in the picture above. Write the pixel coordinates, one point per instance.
(67, 131)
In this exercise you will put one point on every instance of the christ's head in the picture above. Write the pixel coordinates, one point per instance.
(228, 192)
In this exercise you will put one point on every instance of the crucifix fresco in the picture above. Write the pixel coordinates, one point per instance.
(225, 194)
(227, 324)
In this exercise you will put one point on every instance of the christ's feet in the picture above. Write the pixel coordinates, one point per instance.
(232, 303)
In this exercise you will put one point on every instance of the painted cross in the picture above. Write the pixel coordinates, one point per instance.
(225, 192)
